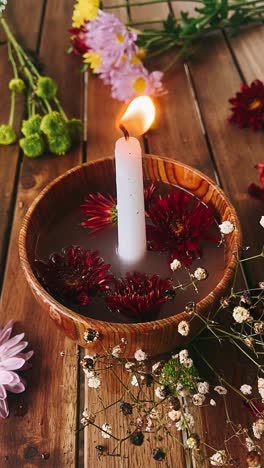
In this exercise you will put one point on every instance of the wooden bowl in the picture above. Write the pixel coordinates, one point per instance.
(153, 337)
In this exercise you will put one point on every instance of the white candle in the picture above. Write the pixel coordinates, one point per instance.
(130, 200)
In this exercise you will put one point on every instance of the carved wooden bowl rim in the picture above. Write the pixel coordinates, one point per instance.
(208, 300)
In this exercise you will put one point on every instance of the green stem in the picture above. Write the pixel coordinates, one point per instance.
(57, 102)
(152, 2)
(12, 109)
(11, 59)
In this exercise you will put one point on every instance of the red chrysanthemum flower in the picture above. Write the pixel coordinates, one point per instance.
(101, 211)
(75, 274)
(139, 296)
(255, 190)
(180, 223)
(78, 42)
(248, 106)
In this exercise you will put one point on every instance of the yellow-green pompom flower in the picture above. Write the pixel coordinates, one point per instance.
(59, 144)
(7, 135)
(46, 87)
(75, 129)
(52, 124)
(32, 125)
(16, 85)
(33, 146)
(84, 10)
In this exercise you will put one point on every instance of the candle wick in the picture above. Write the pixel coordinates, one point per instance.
(124, 130)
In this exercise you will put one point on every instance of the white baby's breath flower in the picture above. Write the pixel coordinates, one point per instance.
(220, 390)
(226, 227)
(258, 428)
(87, 356)
(246, 389)
(203, 387)
(183, 391)
(188, 363)
(200, 274)
(108, 429)
(154, 414)
(219, 458)
(261, 222)
(124, 341)
(185, 422)
(175, 265)
(250, 444)
(183, 355)
(134, 381)
(159, 392)
(94, 382)
(240, 314)
(212, 402)
(89, 373)
(129, 365)
(261, 387)
(116, 351)
(198, 399)
(183, 328)
(140, 355)
(191, 443)
(261, 284)
(174, 415)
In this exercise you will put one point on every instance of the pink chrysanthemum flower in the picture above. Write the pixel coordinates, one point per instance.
(109, 37)
(11, 360)
(134, 80)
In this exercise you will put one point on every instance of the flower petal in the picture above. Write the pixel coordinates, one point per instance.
(6, 331)
(2, 392)
(12, 363)
(4, 411)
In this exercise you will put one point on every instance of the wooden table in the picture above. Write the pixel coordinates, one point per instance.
(193, 128)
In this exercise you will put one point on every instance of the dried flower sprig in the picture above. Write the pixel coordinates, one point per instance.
(47, 128)
(157, 398)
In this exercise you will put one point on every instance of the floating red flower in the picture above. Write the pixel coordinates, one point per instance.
(179, 225)
(78, 42)
(248, 106)
(255, 190)
(75, 274)
(101, 210)
(139, 296)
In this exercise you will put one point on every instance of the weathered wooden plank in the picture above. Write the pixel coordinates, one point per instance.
(247, 47)
(27, 29)
(50, 403)
(236, 151)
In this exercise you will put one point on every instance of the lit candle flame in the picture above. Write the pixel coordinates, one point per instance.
(138, 117)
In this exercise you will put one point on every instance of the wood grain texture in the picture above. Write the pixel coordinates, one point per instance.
(9, 156)
(48, 418)
(235, 151)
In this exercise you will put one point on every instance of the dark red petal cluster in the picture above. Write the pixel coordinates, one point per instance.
(180, 223)
(75, 274)
(255, 190)
(79, 46)
(139, 296)
(100, 210)
(248, 106)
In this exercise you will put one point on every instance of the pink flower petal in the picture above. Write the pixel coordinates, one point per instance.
(6, 331)
(4, 411)
(12, 363)
(7, 377)
(16, 388)
(2, 392)
(12, 342)
(10, 351)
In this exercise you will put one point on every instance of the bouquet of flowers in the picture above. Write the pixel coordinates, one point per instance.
(115, 51)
